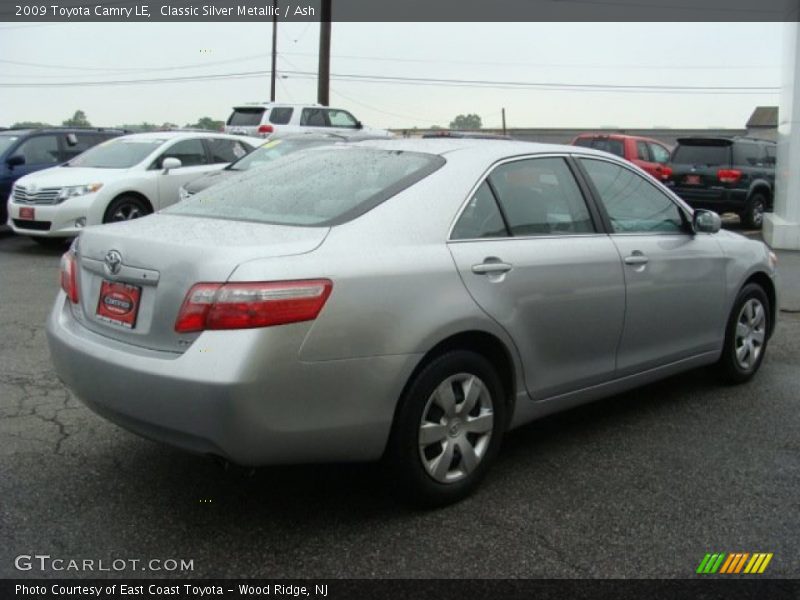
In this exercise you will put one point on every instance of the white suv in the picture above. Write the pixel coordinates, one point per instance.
(264, 120)
(123, 178)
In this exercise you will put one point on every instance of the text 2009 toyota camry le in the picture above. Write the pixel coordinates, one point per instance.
(406, 300)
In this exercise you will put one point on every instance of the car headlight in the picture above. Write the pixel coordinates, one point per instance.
(78, 190)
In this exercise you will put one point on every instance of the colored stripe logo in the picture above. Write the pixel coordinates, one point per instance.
(734, 563)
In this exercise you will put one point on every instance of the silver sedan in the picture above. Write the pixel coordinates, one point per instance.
(405, 300)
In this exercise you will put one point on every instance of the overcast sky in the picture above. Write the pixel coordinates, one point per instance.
(671, 54)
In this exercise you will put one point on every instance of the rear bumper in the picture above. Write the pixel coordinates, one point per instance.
(243, 395)
(719, 200)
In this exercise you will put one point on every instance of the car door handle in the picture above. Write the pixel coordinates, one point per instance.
(636, 259)
(494, 266)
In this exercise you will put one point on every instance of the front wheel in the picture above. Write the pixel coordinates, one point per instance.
(125, 208)
(746, 335)
(448, 429)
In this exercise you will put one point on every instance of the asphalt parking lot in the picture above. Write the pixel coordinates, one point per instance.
(639, 485)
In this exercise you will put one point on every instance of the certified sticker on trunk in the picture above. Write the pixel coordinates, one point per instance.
(118, 303)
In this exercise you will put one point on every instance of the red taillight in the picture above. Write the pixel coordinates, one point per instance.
(663, 173)
(246, 305)
(69, 276)
(729, 175)
(266, 129)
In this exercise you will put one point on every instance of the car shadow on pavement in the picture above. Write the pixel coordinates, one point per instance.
(203, 486)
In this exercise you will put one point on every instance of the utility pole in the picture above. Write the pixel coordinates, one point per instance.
(324, 73)
(274, 49)
(504, 120)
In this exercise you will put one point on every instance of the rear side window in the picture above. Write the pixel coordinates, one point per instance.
(321, 186)
(615, 147)
(748, 154)
(632, 203)
(313, 117)
(702, 155)
(190, 152)
(280, 115)
(642, 153)
(540, 197)
(770, 160)
(76, 143)
(225, 151)
(481, 217)
(246, 117)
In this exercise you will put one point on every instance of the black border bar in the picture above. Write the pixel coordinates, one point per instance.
(33, 11)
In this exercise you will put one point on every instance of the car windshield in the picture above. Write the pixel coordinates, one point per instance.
(119, 153)
(6, 141)
(604, 144)
(265, 154)
(691, 154)
(320, 186)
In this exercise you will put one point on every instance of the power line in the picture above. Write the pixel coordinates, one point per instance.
(424, 81)
(381, 59)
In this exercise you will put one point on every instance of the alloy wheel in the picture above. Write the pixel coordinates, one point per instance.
(456, 428)
(750, 333)
(126, 212)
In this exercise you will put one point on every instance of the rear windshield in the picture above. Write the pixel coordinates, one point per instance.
(246, 117)
(691, 154)
(604, 144)
(116, 153)
(271, 150)
(320, 186)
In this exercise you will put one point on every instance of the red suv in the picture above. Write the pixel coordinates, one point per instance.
(648, 154)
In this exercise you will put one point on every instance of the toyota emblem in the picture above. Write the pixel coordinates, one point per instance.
(113, 262)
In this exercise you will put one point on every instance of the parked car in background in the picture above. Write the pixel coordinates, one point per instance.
(477, 135)
(123, 178)
(409, 300)
(725, 174)
(267, 119)
(24, 151)
(651, 155)
(263, 155)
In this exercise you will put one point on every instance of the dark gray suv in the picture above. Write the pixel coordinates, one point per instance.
(734, 174)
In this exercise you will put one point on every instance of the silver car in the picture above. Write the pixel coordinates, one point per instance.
(405, 300)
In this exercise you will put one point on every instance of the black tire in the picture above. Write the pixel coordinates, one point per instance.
(753, 215)
(52, 243)
(404, 453)
(126, 208)
(730, 367)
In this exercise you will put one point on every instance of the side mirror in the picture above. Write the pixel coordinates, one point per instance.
(170, 163)
(359, 125)
(706, 221)
(15, 161)
(72, 140)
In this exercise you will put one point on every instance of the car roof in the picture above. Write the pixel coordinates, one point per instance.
(490, 148)
(171, 135)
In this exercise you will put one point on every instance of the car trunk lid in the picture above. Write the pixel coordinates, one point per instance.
(133, 276)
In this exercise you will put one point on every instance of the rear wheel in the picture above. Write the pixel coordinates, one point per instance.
(126, 208)
(746, 335)
(448, 429)
(753, 215)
